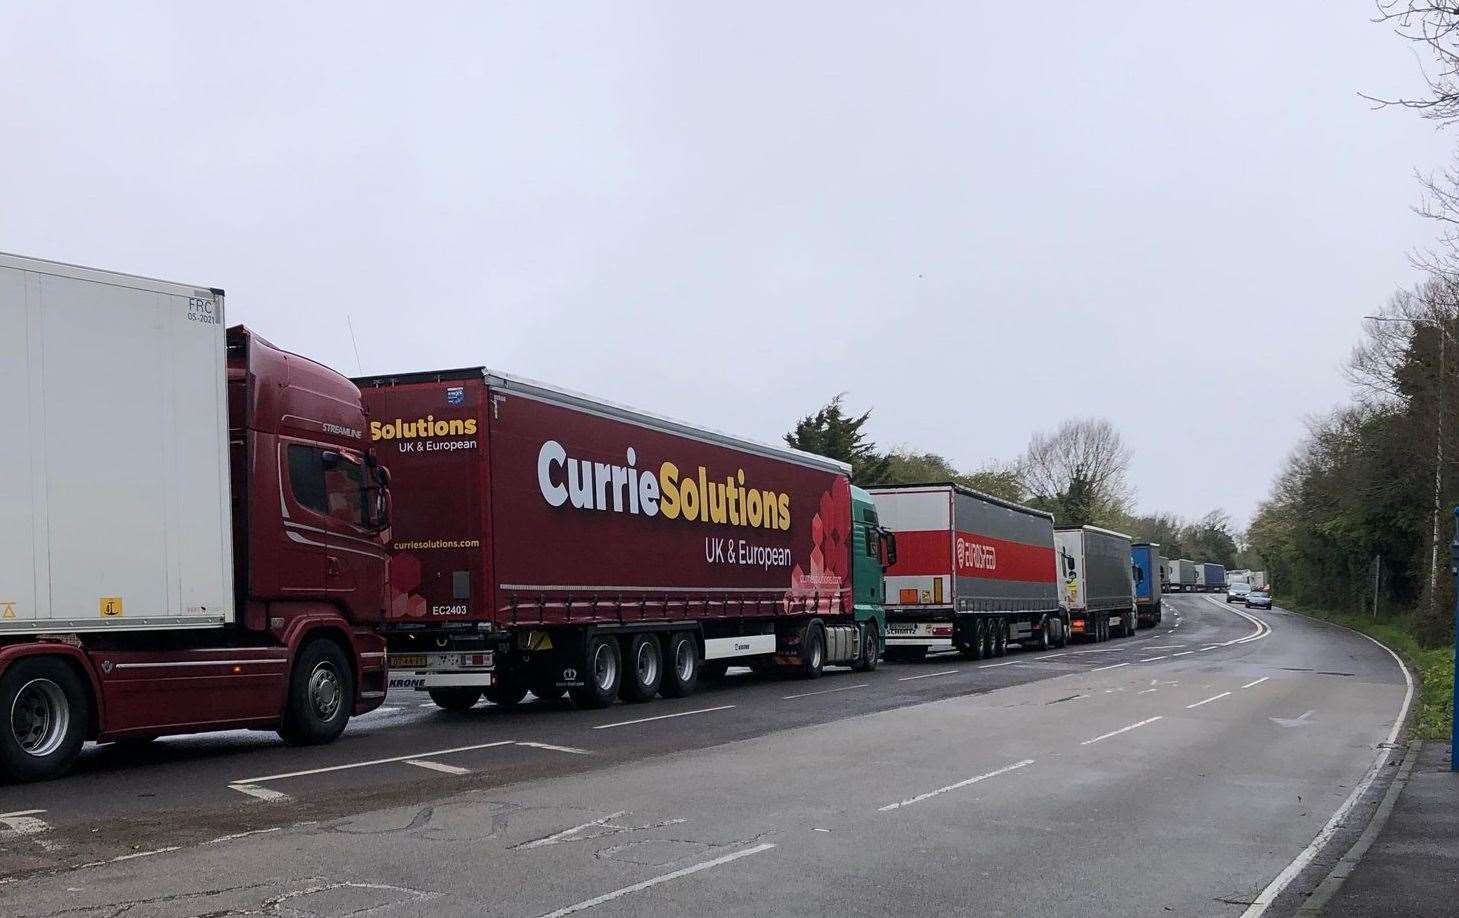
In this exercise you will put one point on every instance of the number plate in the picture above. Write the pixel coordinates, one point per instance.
(408, 661)
(901, 629)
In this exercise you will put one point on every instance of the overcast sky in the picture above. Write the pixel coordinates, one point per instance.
(975, 220)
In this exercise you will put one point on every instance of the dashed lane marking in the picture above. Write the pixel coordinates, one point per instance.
(655, 881)
(1105, 736)
(1146, 691)
(644, 720)
(1255, 682)
(438, 766)
(952, 787)
(945, 672)
(1153, 659)
(1207, 700)
(261, 793)
(1183, 653)
(829, 691)
(1111, 666)
(550, 747)
(1004, 663)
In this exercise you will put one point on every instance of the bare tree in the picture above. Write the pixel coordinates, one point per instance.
(1078, 471)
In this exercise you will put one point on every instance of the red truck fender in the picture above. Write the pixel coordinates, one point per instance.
(74, 655)
(365, 648)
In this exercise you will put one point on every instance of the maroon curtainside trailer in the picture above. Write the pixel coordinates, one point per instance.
(551, 542)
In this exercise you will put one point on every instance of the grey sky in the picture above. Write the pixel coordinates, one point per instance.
(976, 220)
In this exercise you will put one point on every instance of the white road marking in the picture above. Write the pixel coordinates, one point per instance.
(553, 748)
(25, 823)
(844, 688)
(1256, 682)
(1149, 720)
(136, 854)
(644, 720)
(1164, 646)
(1049, 657)
(1207, 700)
(1182, 653)
(1005, 663)
(1212, 646)
(1153, 659)
(395, 758)
(237, 835)
(567, 834)
(262, 793)
(429, 704)
(1111, 666)
(952, 787)
(1146, 691)
(1274, 889)
(663, 878)
(945, 672)
(438, 766)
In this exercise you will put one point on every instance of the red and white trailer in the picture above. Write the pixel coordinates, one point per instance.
(972, 572)
(191, 530)
(552, 542)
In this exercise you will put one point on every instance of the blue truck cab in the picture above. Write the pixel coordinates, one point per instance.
(1148, 568)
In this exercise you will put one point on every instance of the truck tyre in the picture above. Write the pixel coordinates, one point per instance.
(988, 639)
(507, 693)
(48, 712)
(812, 651)
(681, 666)
(604, 668)
(321, 695)
(1045, 640)
(1061, 631)
(870, 650)
(1000, 637)
(455, 699)
(645, 672)
(973, 649)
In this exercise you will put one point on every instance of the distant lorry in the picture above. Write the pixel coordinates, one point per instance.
(192, 530)
(1257, 579)
(1098, 589)
(549, 542)
(1183, 575)
(972, 572)
(1148, 570)
(1210, 578)
(1234, 577)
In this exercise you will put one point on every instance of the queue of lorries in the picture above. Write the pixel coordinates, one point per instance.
(201, 531)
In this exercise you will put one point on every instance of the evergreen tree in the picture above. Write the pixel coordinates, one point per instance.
(832, 433)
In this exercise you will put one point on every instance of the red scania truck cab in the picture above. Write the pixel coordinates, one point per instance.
(192, 529)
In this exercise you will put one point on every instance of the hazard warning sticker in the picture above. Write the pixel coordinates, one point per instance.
(7, 608)
(111, 607)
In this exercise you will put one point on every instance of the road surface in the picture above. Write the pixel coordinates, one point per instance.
(1179, 772)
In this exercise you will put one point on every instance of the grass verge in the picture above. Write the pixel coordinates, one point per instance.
(1432, 667)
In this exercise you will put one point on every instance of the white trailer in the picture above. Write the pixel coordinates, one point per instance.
(1098, 581)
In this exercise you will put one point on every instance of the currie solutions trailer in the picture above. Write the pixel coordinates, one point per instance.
(1098, 589)
(550, 542)
(191, 534)
(972, 572)
(1148, 569)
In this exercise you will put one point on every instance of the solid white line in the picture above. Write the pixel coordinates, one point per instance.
(1153, 659)
(551, 748)
(844, 688)
(1142, 723)
(237, 835)
(644, 720)
(663, 878)
(1256, 682)
(1212, 646)
(1005, 663)
(262, 793)
(439, 766)
(137, 854)
(395, 758)
(1300, 862)
(952, 787)
(1207, 700)
(945, 672)
(1111, 666)
(1182, 653)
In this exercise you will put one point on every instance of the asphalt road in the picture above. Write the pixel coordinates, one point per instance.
(1178, 772)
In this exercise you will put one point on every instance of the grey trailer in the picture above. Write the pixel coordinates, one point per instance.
(1098, 583)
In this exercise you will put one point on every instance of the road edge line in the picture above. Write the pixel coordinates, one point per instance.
(1346, 864)
(1277, 886)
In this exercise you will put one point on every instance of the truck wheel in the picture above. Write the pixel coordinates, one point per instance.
(812, 651)
(988, 639)
(506, 694)
(681, 674)
(1045, 640)
(1000, 637)
(605, 674)
(321, 695)
(48, 714)
(870, 650)
(455, 699)
(645, 669)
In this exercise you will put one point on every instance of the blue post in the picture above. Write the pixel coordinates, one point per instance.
(1454, 727)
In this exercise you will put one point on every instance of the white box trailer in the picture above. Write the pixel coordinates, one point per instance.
(1098, 581)
(114, 476)
(1183, 575)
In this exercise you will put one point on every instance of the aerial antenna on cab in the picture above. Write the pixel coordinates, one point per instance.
(350, 322)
